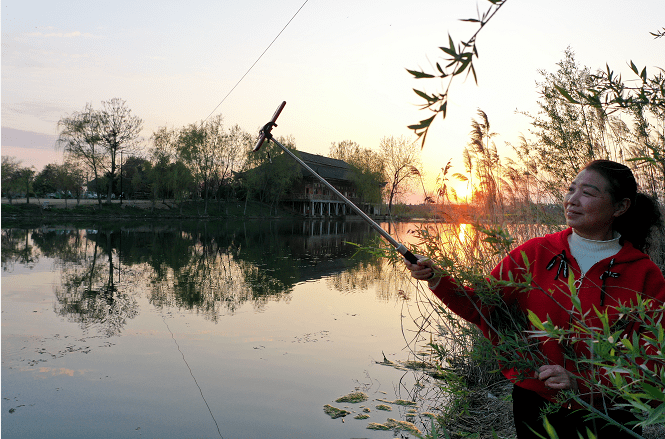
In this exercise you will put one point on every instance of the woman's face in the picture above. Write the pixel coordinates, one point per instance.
(589, 208)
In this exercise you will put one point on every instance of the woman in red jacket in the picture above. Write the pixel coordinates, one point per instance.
(609, 227)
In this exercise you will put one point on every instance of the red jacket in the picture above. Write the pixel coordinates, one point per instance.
(617, 279)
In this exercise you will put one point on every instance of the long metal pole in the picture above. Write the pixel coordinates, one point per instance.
(267, 135)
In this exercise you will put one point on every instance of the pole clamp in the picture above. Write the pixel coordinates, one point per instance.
(266, 130)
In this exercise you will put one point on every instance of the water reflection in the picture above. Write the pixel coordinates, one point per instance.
(198, 283)
(17, 248)
(210, 268)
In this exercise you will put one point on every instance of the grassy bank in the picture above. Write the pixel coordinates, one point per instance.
(54, 210)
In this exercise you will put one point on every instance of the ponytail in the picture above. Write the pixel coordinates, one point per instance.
(640, 222)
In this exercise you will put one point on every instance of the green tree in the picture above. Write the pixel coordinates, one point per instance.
(46, 180)
(200, 146)
(16, 179)
(132, 167)
(10, 166)
(175, 178)
(157, 173)
(192, 147)
(25, 177)
(269, 172)
(180, 182)
(67, 179)
(569, 135)
(366, 168)
(232, 157)
(644, 103)
(71, 178)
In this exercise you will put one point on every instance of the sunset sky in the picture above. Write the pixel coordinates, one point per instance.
(340, 65)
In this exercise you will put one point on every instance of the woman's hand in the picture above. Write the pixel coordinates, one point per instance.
(423, 270)
(556, 377)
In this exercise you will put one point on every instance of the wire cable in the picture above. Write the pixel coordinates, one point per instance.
(192, 374)
(257, 60)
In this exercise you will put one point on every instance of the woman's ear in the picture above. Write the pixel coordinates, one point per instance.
(620, 207)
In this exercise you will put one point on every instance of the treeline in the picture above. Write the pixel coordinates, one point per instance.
(104, 158)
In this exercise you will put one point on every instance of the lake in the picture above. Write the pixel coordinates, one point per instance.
(202, 330)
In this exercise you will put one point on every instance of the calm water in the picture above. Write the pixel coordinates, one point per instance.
(200, 330)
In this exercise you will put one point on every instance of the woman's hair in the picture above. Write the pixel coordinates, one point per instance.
(637, 223)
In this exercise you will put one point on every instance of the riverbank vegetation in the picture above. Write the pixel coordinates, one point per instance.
(583, 116)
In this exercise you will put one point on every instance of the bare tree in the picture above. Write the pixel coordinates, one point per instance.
(119, 132)
(401, 159)
(81, 140)
(232, 155)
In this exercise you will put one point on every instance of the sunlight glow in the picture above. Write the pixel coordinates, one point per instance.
(465, 231)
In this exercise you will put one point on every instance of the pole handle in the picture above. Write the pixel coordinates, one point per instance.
(410, 257)
(401, 248)
(265, 132)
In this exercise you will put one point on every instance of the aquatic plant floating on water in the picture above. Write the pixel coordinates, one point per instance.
(401, 402)
(392, 424)
(334, 412)
(354, 398)
(377, 426)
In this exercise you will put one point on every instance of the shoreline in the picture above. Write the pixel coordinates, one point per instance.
(40, 209)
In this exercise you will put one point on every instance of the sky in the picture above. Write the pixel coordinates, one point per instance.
(340, 65)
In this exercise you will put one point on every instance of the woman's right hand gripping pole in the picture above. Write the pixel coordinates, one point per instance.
(423, 270)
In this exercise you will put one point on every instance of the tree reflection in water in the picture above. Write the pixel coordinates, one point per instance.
(210, 268)
(17, 249)
(88, 293)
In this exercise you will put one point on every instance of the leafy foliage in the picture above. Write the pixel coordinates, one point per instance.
(367, 168)
(608, 95)
(569, 135)
(458, 59)
(628, 368)
(269, 172)
(16, 179)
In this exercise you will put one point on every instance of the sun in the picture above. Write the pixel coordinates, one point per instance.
(463, 191)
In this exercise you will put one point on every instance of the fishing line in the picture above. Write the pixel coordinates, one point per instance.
(192, 374)
(257, 60)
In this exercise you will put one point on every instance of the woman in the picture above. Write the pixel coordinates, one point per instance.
(609, 226)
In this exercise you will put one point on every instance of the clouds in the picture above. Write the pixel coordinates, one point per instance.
(74, 34)
(33, 115)
(27, 139)
(31, 149)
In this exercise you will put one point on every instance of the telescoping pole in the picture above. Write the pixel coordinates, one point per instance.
(266, 134)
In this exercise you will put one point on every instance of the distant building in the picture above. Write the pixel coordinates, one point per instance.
(311, 198)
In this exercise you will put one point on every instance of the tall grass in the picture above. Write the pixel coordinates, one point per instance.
(471, 393)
